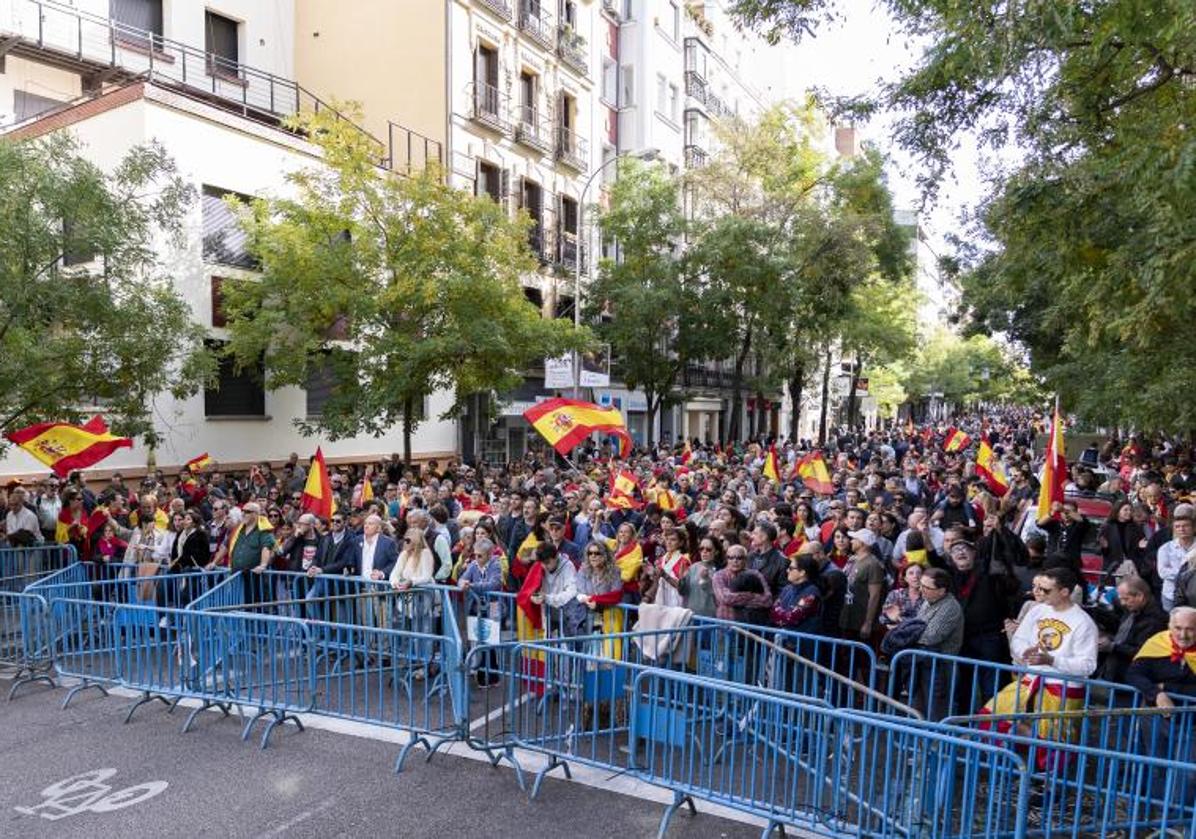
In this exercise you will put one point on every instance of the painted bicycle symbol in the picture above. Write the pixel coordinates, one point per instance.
(87, 793)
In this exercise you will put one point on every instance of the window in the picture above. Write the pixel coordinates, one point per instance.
(320, 385)
(628, 10)
(237, 393)
(485, 79)
(569, 215)
(28, 105)
(527, 98)
(138, 21)
(662, 93)
(673, 93)
(489, 181)
(676, 21)
(224, 241)
(220, 41)
(610, 81)
(627, 90)
(76, 250)
(532, 200)
(569, 14)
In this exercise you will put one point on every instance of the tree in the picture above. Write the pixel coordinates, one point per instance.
(1081, 251)
(88, 314)
(970, 370)
(389, 287)
(646, 304)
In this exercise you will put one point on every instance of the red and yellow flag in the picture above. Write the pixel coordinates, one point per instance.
(564, 423)
(956, 440)
(317, 494)
(198, 464)
(65, 448)
(814, 474)
(367, 486)
(687, 453)
(1054, 470)
(772, 469)
(991, 469)
(623, 487)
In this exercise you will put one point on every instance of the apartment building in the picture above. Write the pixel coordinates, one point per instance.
(212, 82)
(526, 126)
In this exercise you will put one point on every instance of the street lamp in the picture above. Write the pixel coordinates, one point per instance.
(647, 156)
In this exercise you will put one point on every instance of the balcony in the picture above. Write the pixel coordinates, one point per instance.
(538, 240)
(567, 251)
(490, 106)
(572, 150)
(699, 375)
(500, 8)
(695, 157)
(534, 129)
(536, 23)
(695, 86)
(571, 47)
(716, 106)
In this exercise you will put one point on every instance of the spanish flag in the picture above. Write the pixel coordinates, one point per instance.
(1162, 645)
(629, 559)
(317, 494)
(623, 488)
(367, 486)
(772, 469)
(1054, 470)
(198, 464)
(65, 448)
(814, 474)
(687, 453)
(956, 440)
(564, 423)
(991, 469)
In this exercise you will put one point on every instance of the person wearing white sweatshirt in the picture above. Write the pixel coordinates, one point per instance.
(1056, 636)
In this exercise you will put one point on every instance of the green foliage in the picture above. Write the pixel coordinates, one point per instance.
(965, 371)
(659, 312)
(108, 331)
(395, 287)
(1087, 258)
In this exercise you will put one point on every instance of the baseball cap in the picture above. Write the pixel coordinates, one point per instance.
(863, 535)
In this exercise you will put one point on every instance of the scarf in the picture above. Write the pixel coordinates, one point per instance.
(1162, 645)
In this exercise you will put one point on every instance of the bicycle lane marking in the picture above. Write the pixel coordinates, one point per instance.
(88, 793)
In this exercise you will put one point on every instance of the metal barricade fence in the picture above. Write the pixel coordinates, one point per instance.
(26, 645)
(831, 772)
(31, 563)
(85, 642)
(381, 656)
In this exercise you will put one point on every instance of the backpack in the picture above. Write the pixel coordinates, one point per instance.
(903, 636)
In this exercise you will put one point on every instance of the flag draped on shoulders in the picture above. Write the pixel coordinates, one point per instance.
(66, 448)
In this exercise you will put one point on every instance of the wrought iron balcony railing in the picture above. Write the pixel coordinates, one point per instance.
(534, 129)
(490, 106)
(572, 150)
(536, 22)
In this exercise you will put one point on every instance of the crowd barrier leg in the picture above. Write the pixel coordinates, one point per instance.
(680, 799)
(25, 637)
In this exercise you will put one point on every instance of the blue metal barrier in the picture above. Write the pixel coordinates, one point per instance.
(33, 562)
(25, 639)
(827, 771)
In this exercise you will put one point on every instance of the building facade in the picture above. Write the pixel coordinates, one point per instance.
(211, 82)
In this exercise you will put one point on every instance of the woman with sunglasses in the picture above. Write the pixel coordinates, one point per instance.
(696, 586)
(599, 588)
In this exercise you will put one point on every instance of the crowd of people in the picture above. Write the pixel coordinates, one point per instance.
(908, 547)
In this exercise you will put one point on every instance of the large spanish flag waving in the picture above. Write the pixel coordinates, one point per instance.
(956, 440)
(65, 448)
(1054, 470)
(317, 494)
(814, 474)
(564, 423)
(990, 469)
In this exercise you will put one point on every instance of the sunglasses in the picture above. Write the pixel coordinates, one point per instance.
(338, 521)
(593, 553)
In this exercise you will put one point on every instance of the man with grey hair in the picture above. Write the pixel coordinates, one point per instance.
(1172, 554)
(250, 548)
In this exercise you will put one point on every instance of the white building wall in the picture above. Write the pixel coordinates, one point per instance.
(212, 147)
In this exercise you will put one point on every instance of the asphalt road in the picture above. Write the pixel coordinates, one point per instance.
(147, 779)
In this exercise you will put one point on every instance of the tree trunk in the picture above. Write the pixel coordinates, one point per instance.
(734, 431)
(826, 395)
(761, 425)
(408, 408)
(653, 407)
(796, 379)
(853, 401)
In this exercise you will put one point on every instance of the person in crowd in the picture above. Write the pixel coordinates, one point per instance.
(943, 633)
(1185, 582)
(1066, 529)
(1140, 618)
(766, 558)
(599, 588)
(188, 551)
(798, 607)
(1172, 554)
(250, 550)
(21, 527)
(1122, 541)
(727, 600)
(903, 601)
(669, 569)
(556, 533)
(865, 589)
(697, 586)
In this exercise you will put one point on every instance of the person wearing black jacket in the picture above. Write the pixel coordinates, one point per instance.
(1141, 617)
(190, 550)
(766, 559)
(984, 596)
(1122, 538)
(1065, 528)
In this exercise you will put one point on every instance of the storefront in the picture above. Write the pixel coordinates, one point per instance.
(702, 418)
(633, 406)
